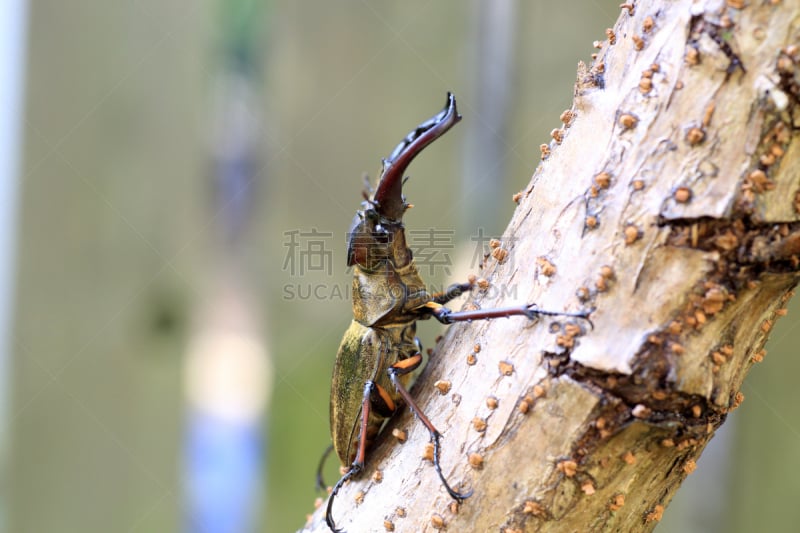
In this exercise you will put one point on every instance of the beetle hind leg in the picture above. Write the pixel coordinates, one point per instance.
(355, 468)
(404, 367)
(321, 482)
(374, 397)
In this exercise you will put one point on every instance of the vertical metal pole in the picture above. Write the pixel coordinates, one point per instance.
(13, 37)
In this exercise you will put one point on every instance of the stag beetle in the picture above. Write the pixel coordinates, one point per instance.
(380, 350)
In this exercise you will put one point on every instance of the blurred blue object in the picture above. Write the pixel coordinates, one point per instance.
(228, 372)
(223, 474)
(227, 384)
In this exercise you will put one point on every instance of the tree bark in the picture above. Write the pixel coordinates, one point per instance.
(668, 202)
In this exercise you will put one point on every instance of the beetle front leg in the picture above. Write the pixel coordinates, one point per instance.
(404, 367)
(446, 316)
(453, 291)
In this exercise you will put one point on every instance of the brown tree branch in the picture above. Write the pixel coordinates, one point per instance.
(669, 202)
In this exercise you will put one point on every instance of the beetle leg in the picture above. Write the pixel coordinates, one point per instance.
(354, 469)
(320, 482)
(404, 367)
(453, 291)
(371, 391)
(446, 316)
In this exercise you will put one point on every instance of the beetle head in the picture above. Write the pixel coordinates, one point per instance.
(371, 240)
(376, 234)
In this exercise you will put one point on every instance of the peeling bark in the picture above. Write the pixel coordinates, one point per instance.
(668, 201)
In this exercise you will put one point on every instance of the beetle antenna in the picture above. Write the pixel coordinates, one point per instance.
(367, 183)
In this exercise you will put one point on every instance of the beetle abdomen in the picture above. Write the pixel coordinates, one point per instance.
(363, 357)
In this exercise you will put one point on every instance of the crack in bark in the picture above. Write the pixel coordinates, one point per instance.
(700, 25)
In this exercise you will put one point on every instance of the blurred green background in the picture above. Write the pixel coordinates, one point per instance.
(119, 235)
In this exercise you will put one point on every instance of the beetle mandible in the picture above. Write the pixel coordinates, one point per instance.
(379, 350)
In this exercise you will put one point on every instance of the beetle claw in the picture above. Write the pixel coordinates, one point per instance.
(388, 195)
